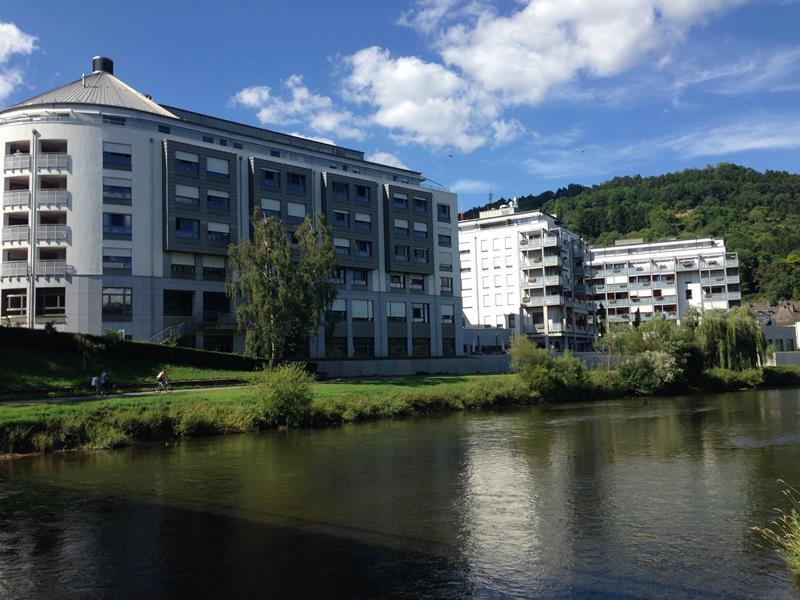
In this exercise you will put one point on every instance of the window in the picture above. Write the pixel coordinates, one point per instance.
(363, 222)
(510, 298)
(338, 276)
(208, 139)
(421, 255)
(496, 262)
(397, 281)
(446, 261)
(217, 168)
(271, 179)
(498, 281)
(117, 259)
(508, 243)
(484, 282)
(498, 299)
(116, 224)
(117, 156)
(420, 313)
(187, 194)
(223, 142)
(296, 183)
(164, 129)
(117, 302)
(509, 261)
(271, 208)
(443, 213)
(484, 245)
(362, 310)
(296, 210)
(187, 163)
(117, 191)
(448, 314)
(362, 194)
(448, 347)
(484, 264)
(275, 153)
(237, 145)
(398, 346)
(111, 120)
(218, 200)
(421, 347)
(341, 191)
(213, 268)
(336, 346)
(445, 240)
(338, 310)
(363, 347)
(420, 206)
(341, 246)
(182, 265)
(446, 284)
(496, 244)
(401, 227)
(341, 218)
(359, 277)
(416, 283)
(219, 232)
(396, 312)
(400, 201)
(187, 228)
(402, 253)
(363, 248)
(51, 302)
(688, 294)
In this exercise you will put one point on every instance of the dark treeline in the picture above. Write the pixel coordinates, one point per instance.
(758, 214)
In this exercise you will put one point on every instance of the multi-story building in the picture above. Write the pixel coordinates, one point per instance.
(662, 278)
(524, 271)
(118, 213)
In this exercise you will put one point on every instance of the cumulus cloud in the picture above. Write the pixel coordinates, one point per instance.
(386, 158)
(12, 41)
(301, 106)
(470, 186)
(507, 131)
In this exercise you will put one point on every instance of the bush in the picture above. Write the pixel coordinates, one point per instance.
(781, 377)
(561, 378)
(651, 372)
(727, 380)
(284, 394)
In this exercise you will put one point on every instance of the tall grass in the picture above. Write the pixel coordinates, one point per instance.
(783, 534)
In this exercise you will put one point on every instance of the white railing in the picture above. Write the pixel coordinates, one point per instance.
(533, 301)
(51, 233)
(552, 280)
(53, 160)
(555, 328)
(15, 233)
(665, 299)
(17, 198)
(51, 267)
(52, 197)
(173, 332)
(734, 295)
(555, 299)
(17, 162)
(15, 268)
(551, 261)
(550, 240)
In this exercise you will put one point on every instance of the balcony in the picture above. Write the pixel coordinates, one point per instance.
(550, 240)
(51, 233)
(640, 300)
(732, 279)
(51, 268)
(619, 302)
(665, 299)
(15, 233)
(734, 295)
(687, 265)
(52, 198)
(731, 260)
(716, 279)
(715, 297)
(213, 319)
(15, 268)
(17, 162)
(599, 288)
(553, 280)
(640, 269)
(554, 300)
(532, 264)
(533, 300)
(555, 328)
(619, 318)
(53, 161)
(552, 261)
(17, 198)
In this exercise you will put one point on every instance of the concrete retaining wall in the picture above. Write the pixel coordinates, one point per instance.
(786, 359)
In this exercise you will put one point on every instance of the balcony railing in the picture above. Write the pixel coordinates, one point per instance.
(555, 299)
(51, 233)
(17, 162)
(551, 261)
(213, 319)
(665, 299)
(555, 327)
(618, 302)
(533, 300)
(15, 268)
(18, 198)
(54, 268)
(732, 279)
(734, 295)
(15, 233)
(688, 265)
(731, 260)
(52, 198)
(550, 240)
(552, 280)
(53, 160)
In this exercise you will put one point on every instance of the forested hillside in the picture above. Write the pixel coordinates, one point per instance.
(758, 214)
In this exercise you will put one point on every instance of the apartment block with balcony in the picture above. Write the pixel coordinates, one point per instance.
(118, 213)
(524, 271)
(662, 279)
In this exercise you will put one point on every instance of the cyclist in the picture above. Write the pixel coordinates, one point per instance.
(162, 380)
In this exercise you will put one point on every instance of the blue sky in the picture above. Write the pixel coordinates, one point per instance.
(508, 97)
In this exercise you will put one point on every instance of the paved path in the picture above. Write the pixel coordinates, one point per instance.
(111, 397)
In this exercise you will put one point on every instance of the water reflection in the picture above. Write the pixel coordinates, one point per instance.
(619, 498)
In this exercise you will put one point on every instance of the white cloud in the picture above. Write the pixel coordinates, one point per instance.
(470, 186)
(507, 131)
(427, 15)
(763, 132)
(12, 41)
(386, 158)
(314, 138)
(302, 106)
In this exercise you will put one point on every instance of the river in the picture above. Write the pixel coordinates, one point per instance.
(613, 499)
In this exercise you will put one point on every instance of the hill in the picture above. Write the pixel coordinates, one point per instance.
(758, 214)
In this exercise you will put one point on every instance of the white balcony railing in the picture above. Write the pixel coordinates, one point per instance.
(550, 240)
(555, 327)
(51, 267)
(17, 198)
(734, 295)
(533, 300)
(52, 198)
(51, 233)
(17, 162)
(554, 300)
(15, 268)
(15, 233)
(552, 280)
(551, 261)
(53, 160)
(665, 299)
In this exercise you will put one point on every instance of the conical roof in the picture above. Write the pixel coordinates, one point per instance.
(99, 88)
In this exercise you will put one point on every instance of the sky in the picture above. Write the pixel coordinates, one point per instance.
(507, 98)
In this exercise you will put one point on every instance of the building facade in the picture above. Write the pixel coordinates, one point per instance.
(524, 271)
(118, 213)
(662, 279)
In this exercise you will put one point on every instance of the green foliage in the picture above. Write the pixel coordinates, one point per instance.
(733, 340)
(783, 534)
(550, 377)
(726, 380)
(651, 372)
(284, 394)
(281, 296)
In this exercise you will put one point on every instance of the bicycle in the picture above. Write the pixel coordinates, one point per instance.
(163, 386)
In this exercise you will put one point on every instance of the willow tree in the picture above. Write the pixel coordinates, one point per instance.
(280, 294)
(733, 340)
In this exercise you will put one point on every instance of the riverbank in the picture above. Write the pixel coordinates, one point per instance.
(118, 422)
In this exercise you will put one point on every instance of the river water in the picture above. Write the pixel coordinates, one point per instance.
(622, 499)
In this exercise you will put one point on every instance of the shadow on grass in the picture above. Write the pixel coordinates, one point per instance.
(416, 381)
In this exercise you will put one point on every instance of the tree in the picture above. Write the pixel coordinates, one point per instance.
(279, 296)
(733, 340)
(637, 318)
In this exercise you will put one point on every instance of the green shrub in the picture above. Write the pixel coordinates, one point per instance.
(727, 380)
(284, 394)
(552, 378)
(651, 372)
(781, 377)
(784, 533)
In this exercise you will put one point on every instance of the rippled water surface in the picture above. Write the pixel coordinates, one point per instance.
(615, 499)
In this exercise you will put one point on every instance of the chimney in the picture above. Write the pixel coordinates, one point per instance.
(101, 64)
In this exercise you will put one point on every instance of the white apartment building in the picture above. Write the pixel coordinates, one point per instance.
(118, 213)
(524, 271)
(662, 278)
